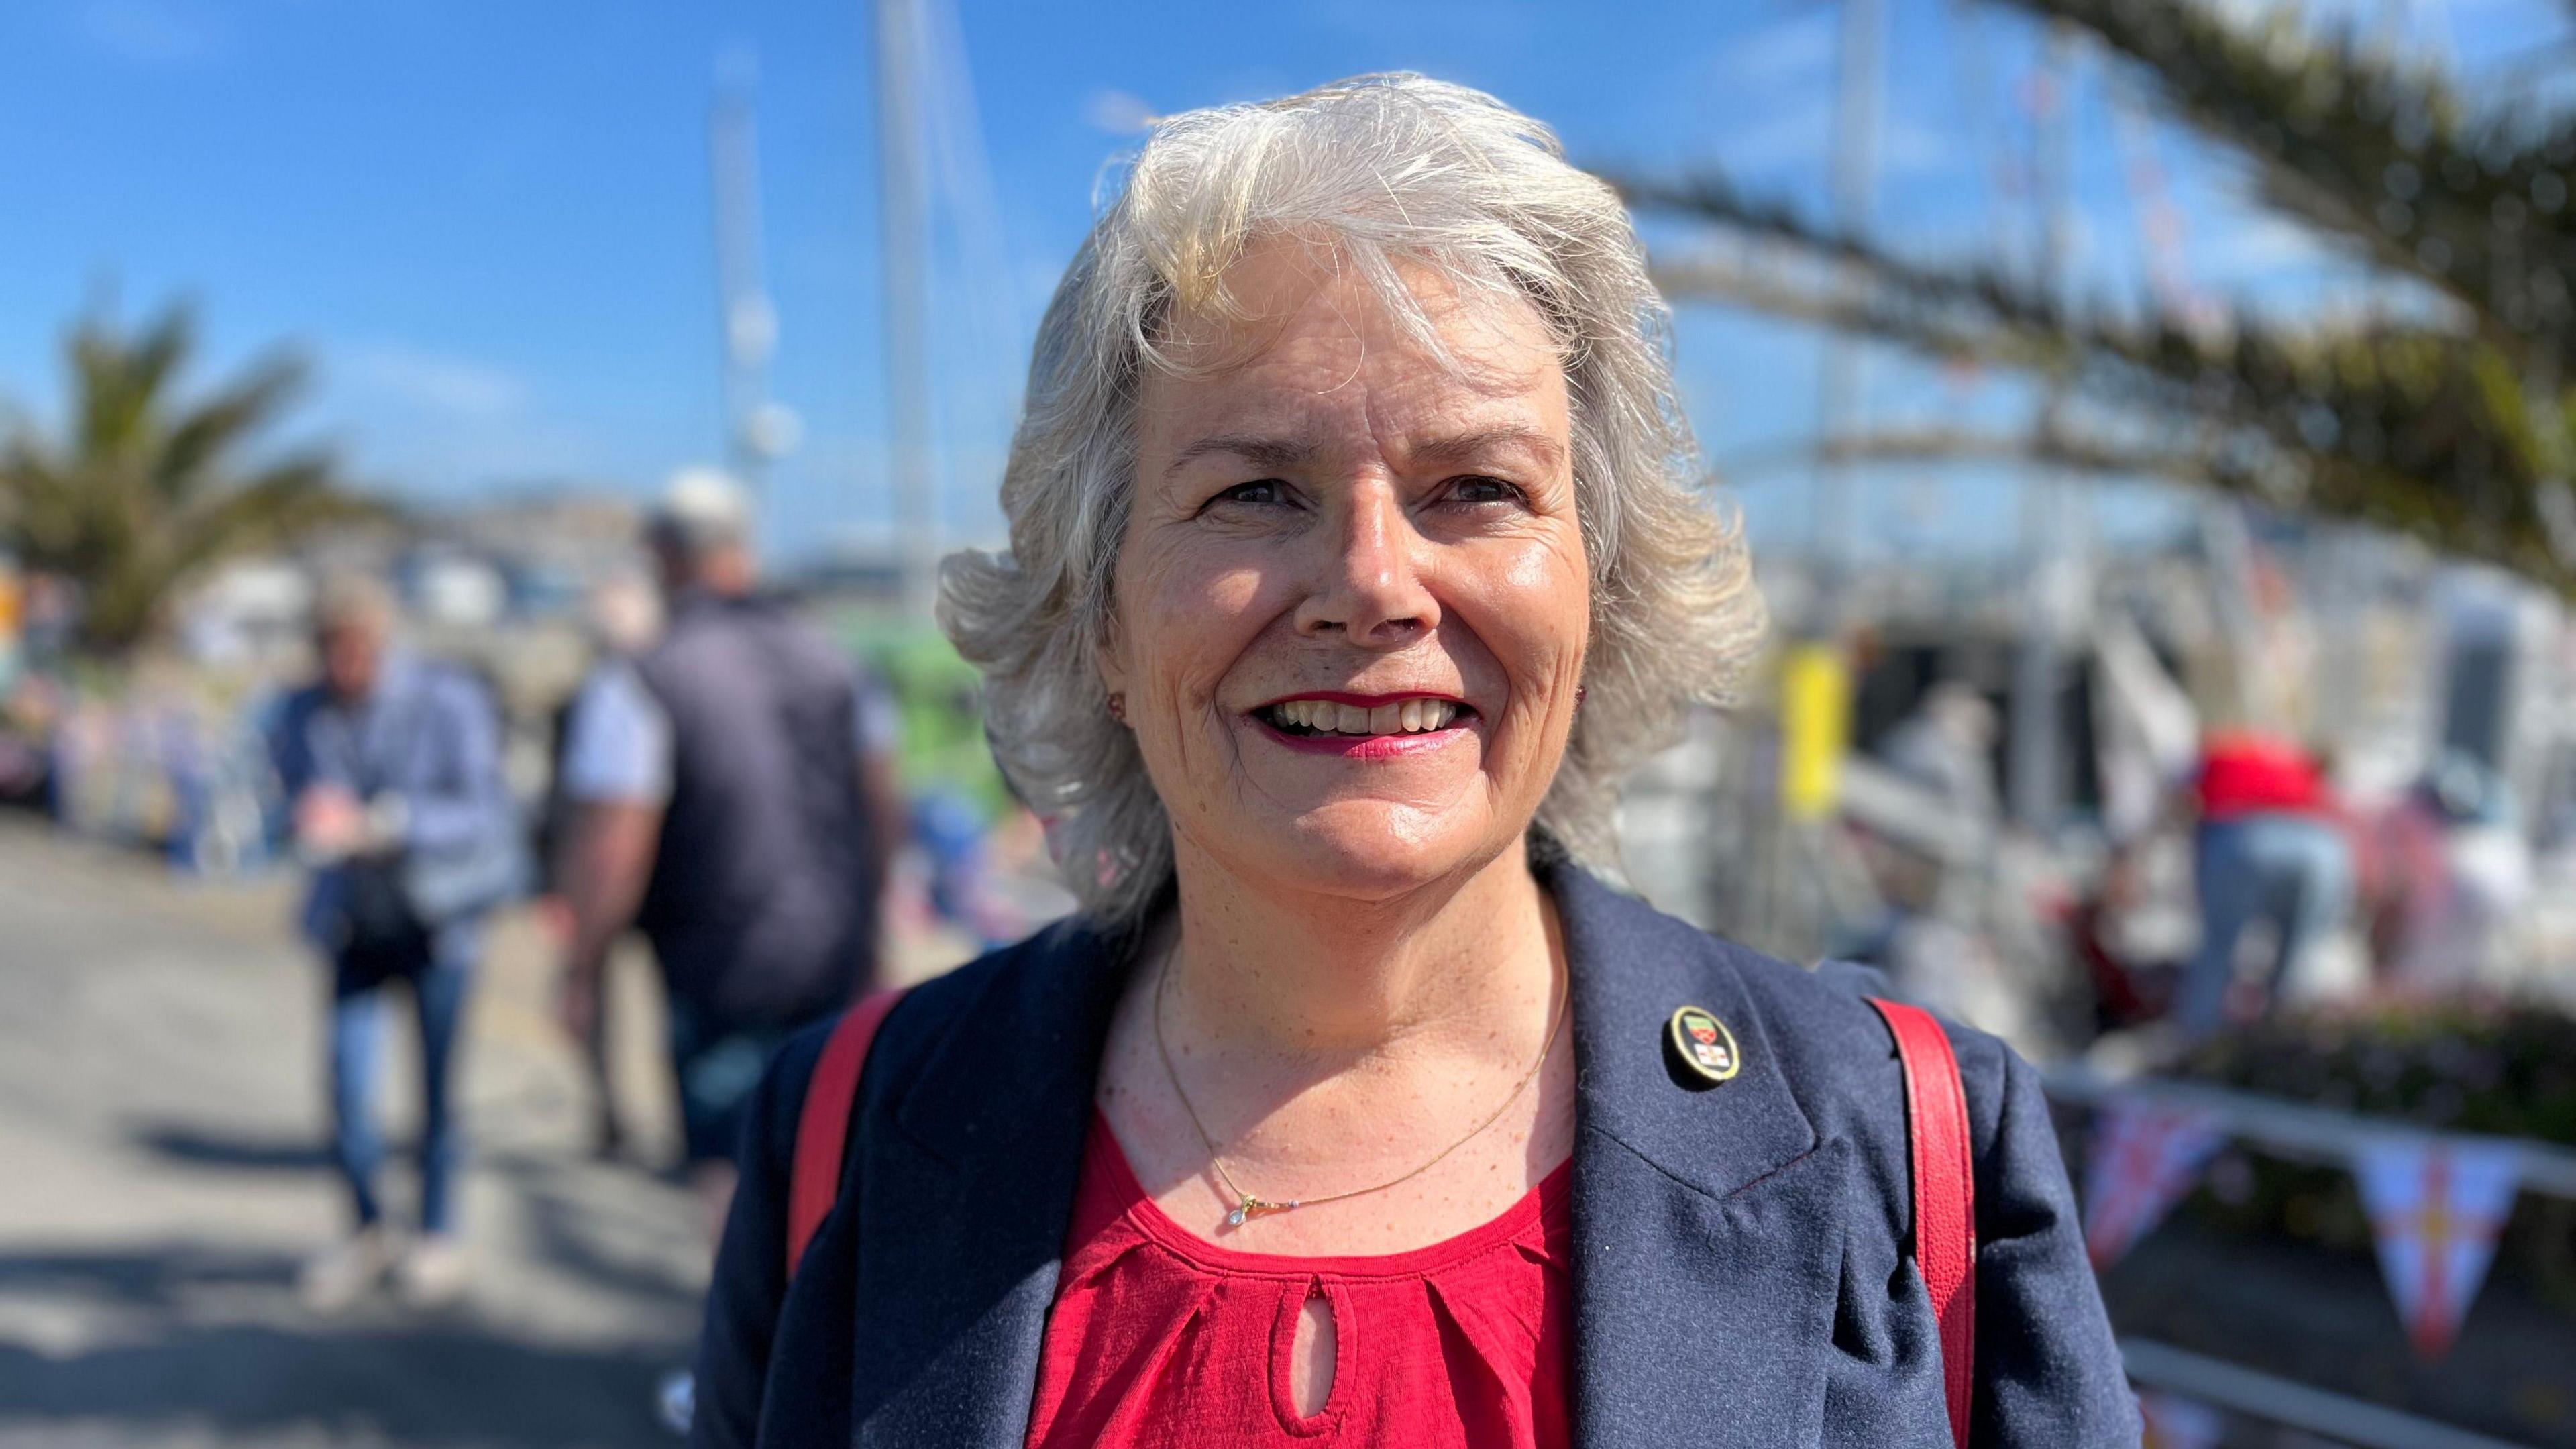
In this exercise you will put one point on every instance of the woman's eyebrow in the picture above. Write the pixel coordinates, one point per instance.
(1260, 452)
(1456, 448)
(1466, 447)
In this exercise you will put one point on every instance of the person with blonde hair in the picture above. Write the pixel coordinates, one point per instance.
(1358, 549)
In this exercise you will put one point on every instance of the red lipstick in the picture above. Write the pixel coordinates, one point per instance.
(1361, 747)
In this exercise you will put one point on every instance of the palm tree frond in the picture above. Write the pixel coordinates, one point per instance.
(140, 490)
(222, 422)
(2385, 154)
(2400, 424)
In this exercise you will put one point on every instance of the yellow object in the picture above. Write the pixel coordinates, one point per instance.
(1815, 730)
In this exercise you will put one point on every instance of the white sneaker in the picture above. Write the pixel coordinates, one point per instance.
(340, 1275)
(433, 1273)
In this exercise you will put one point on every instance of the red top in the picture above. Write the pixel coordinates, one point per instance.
(2245, 773)
(1160, 1338)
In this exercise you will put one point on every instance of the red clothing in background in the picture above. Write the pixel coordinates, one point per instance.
(2256, 774)
(1161, 1338)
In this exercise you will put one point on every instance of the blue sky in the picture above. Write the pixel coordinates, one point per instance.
(487, 221)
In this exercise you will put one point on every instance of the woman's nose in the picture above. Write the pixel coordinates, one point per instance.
(1370, 573)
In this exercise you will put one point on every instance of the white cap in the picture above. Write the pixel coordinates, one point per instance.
(702, 509)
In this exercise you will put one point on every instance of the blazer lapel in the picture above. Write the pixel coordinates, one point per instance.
(974, 1190)
(1707, 1222)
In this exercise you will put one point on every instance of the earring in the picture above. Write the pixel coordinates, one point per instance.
(1579, 691)
(1118, 708)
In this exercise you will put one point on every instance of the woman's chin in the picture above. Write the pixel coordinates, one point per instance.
(1366, 850)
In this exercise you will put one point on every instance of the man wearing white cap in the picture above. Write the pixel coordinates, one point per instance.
(731, 797)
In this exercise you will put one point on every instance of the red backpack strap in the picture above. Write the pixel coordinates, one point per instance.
(1945, 1195)
(823, 1128)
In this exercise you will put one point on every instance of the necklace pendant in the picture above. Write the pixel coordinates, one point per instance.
(1254, 1207)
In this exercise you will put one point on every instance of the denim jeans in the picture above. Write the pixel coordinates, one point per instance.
(2292, 870)
(439, 983)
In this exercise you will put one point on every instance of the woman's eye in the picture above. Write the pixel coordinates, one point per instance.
(1483, 490)
(1259, 490)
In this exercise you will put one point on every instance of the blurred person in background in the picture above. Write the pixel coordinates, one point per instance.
(1926, 861)
(2452, 869)
(1947, 747)
(733, 798)
(2270, 847)
(392, 766)
(1357, 552)
(621, 617)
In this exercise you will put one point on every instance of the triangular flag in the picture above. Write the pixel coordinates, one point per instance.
(2174, 1422)
(2435, 1210)
(2144, 1159)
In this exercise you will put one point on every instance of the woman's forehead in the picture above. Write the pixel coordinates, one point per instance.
(1288, 294)
(1311, 350)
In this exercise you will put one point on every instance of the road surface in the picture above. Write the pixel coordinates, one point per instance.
(160, 1181)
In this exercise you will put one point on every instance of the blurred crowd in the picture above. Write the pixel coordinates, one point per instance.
(762, 799)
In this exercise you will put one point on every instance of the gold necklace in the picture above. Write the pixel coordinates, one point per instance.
(1248, 1205)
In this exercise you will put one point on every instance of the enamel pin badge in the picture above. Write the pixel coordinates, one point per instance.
(1702, 1046)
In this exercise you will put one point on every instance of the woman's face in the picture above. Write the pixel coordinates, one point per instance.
(1352, 599)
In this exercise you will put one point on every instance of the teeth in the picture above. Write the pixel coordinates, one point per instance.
(1411, 716)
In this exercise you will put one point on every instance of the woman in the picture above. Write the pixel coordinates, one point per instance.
(1355, 554)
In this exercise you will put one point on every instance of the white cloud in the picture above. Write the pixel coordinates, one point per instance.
(432, 382)
(435, 421)
(155, 33)
(1116, 113)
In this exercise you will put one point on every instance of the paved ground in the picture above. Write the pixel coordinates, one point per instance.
(159, 1182)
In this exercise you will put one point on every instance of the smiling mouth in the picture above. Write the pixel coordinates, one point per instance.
(1310, 718)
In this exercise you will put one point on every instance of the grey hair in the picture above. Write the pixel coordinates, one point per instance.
(1384, 169)
(349, 599)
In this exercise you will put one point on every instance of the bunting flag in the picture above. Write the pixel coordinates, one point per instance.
(2435, 1210)
(2144, 1159)
(2174, 1422)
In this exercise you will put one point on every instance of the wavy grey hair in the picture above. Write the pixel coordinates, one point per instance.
(1384, 170)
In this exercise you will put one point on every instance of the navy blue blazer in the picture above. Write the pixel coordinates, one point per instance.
(1741, 1273)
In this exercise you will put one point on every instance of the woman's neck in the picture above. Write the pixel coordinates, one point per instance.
(1304, 980)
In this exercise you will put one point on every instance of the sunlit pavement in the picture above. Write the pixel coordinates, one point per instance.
(161, 1180)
